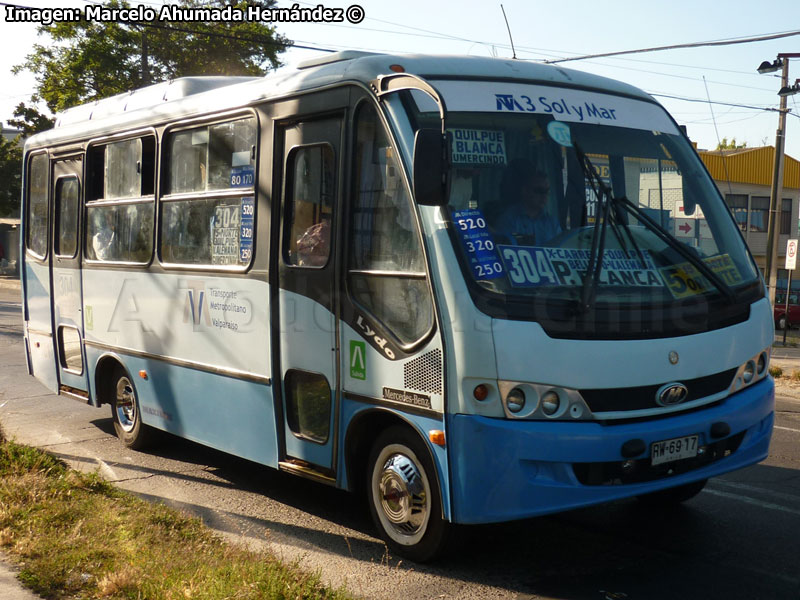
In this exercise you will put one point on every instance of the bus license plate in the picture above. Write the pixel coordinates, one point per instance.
(675, 449)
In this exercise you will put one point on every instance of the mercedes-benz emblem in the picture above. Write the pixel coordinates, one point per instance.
(671, 394)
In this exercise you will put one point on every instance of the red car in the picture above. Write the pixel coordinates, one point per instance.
(779, 310)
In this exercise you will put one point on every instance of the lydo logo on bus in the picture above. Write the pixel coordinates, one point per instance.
(374, 338)
(671, 394)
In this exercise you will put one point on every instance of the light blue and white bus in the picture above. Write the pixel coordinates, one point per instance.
(478, 290)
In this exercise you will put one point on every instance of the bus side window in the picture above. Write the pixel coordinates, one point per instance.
(120, 208)
(386, 270)
(201, 227)
(37, 225)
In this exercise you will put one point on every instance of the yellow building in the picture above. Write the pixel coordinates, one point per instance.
(744, 177)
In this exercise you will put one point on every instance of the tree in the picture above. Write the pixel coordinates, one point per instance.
(10, 175)
(89, 60)
(732, 145)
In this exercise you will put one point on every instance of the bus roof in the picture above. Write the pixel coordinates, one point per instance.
(193, 96)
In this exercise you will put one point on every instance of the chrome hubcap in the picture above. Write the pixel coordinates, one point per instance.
(126, 404)
(402, 494)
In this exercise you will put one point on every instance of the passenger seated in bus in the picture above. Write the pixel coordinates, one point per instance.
(525, 221)
(313, 246)
(103, 240)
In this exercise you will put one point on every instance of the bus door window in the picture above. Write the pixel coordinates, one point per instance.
(38, 222)
(67, 210)
(307, 242)
(386, 270)
(308, 405)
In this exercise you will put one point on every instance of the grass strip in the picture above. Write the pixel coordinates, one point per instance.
(77, 536)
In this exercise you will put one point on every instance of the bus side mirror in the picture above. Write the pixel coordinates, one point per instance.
(430, 168)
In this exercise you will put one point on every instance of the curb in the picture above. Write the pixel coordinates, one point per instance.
(10, 587)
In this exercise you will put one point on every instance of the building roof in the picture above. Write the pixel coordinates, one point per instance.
(750, 165)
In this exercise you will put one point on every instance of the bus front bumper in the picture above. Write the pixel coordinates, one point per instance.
(504, 470)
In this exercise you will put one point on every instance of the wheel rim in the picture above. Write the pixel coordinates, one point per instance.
(401, 494)
(125, 404)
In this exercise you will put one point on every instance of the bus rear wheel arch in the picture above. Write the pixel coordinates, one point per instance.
(403, 495)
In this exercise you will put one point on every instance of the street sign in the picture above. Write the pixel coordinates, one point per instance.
(791, 255)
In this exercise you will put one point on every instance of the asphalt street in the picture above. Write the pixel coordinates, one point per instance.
(740, 538)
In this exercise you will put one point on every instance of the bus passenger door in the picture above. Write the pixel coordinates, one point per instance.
(67, 297)
(310, 183)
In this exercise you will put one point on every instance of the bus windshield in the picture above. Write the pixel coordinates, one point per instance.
(584, 199)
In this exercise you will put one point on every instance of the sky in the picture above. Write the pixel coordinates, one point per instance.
(550, 30)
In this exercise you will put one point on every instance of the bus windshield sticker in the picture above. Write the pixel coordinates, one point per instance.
(478, 147)
(684, 280)
(530, 266)
(482, 255)
(560, 133)
(247, 229)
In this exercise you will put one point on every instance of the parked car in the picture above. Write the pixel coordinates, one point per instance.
(779, 310)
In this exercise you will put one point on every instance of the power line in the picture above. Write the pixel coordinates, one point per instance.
(685, 99)
(726, 42)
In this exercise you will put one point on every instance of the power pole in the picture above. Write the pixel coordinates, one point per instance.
(776, 192)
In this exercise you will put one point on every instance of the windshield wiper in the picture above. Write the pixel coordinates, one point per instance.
(603, 192)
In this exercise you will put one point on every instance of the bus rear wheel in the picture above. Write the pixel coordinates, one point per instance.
(403, 495)
(126, 413)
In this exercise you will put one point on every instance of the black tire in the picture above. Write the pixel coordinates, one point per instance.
(126, 413)
(403, 495)
(675, 495)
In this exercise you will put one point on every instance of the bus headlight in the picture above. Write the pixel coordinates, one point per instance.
(515, 401)
(763, 361)
(550, 403)
(749, 371)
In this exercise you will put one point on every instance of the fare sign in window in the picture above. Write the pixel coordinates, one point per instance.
(481, 250)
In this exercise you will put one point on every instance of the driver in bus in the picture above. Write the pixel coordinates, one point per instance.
(525, 221)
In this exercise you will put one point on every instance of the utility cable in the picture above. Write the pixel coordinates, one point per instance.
(728, 42)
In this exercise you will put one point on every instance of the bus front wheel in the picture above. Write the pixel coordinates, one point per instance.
(125, 411)
(403, 495)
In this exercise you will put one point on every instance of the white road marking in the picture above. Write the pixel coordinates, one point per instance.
(790, 498)
(753, 501)
(785, 428)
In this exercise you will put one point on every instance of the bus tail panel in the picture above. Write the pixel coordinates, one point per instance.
(536, 468)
